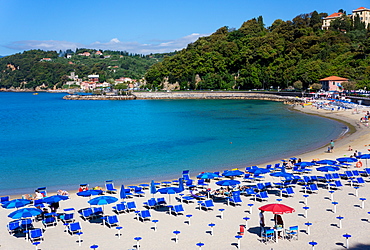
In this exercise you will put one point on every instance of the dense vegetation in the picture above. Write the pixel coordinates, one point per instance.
(285, 54)
(27, 70)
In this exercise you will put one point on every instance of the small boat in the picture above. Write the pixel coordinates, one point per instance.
(35, 93)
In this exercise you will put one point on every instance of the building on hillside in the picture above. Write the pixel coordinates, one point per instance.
(85, 54)
(99, 53)
(333, 83)
(93, 78)
(86, 85)
(364, 14)
(326, 20)
(45, 60)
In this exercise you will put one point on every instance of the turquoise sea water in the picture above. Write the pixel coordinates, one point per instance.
(48, 141)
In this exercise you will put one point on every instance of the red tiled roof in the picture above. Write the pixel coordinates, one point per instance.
(361, 8)
(335, 15)
(334, 78)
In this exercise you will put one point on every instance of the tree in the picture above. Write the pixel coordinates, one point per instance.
(298, 84)
(350, 85)
(315, 86)
(315, 20)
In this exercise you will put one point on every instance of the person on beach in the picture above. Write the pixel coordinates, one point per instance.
(38, 195)
(331, 146)
(279, 223)
(262, 222)
(350, 148)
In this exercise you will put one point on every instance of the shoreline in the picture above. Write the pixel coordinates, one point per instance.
(341, 141)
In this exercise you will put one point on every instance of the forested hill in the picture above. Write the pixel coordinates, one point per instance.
(285, 53)
(50, 68)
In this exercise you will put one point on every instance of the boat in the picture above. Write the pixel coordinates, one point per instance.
(35, 93)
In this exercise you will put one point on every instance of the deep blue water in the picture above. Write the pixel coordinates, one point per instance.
(48, 141)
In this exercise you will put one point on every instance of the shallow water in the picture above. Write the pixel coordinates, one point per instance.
(48, 141)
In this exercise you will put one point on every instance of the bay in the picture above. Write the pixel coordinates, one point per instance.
(48, 141)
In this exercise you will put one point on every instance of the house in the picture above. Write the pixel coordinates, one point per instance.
(45, 60)
(363, 13)
(93, 78)
(326, 20)
(333, 83)
(99, 53)
(85, 54)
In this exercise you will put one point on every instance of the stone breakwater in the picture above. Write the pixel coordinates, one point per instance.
(188, 95)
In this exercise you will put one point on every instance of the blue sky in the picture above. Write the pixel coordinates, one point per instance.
(141, 26)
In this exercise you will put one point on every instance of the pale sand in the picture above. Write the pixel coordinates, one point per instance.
(324, 230)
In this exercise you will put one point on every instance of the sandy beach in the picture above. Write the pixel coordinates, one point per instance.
(325, 229)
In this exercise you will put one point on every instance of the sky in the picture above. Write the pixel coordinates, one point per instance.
(140, 26)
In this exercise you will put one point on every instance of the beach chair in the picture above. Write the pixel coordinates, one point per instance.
(359, 181)
(201, 183)
(151, 203)
(268, 235)
(97, 212)
(188, 183)
(335, 176)
(235, 198)
(35, 235)
(268, 185)
(262, 196)
(250, 191)
(49, 222)
(130, 206)
(161, 201)
(109, 187)
(177, 209)
(292, 233)
(144, 215)
(185, 175)
(74, 228)
(4, 199)
(356, 173)
(86, 213)
(13, 227)
(288, 191)
(26, 224)
(139, 191)
(208, 204)
(337, 184)
(67, 218)
(111, 220)
(119, 208)
(312, 188)
(248, 177)
(260, 187)
(188, 199)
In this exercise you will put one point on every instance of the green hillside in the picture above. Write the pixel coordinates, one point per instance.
(285, 54)
(28, 69)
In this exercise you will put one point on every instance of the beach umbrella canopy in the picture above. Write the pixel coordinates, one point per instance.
(169, 191)
(328, 162)
(16, 203)
(257, 171)
(281, 174)
(89, 192)
(102, 200)
(277, 208)
(364, 156)
(328, 169)
(232, 173)
(55, 198)
(228, 183)
(207, 175)
(346, 159)
(181, 184)
(304, 164)
(25, 213)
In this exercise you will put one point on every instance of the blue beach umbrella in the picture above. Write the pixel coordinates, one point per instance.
(232, 173)
(16, 203)
(55, 198)
(346, 159)
(207, 175)
(102, 200)
(328, 162)
(304, 164)
(228, 183)
(152, 188)
(169, 191)
(281, 174)
(25, 213)
(327, 169)
(89, 193)
(181, 184)
(258, 171)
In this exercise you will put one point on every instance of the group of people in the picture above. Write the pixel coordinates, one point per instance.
(278, 220)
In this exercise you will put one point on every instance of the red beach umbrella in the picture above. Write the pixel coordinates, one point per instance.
(277, 208)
